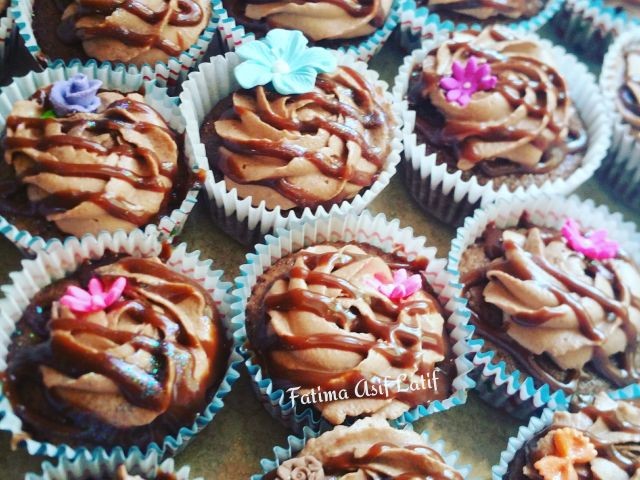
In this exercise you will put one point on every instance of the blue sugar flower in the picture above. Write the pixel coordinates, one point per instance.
(283, 59)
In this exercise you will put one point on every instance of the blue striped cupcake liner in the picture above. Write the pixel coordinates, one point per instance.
(82, 468)
(590, 26)
(169, 225)
(168, 73)
(234, 34)
(296, 444)
(537, 424)
(64, 258)
(512, 390)
(418, 24)
(379, 232)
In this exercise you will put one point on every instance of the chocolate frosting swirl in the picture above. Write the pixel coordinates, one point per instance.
(484, 9)
(371, 449)
(316, 148)
(322, 325)
(134, 31)
(130, 374)
(612, 427)
(89, 172)
(628, 100)
(521, 125)
(322, 19)
(555, 302)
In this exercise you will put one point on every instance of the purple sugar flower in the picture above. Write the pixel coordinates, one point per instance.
(467, 80)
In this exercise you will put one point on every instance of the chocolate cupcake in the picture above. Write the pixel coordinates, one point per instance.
(80, 158)
(494, 115)
(370, 448)
(484, 11)
(620, 82)
(598, 440)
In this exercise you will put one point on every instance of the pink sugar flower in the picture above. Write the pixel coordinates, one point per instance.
(595, 244)
(401, 287)
(94, 300)
(467, 80)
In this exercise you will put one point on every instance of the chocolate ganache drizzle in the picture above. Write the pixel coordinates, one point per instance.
(88, 172)
(369, 449)
(318, 323)
(483, 9)
(306, 150)
(134, 31)
(524, 125)
(628, 100)
(611, 428)
(553, 310)
(127, 375)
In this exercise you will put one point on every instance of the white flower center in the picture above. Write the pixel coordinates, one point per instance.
(280, 66)
(466, 85)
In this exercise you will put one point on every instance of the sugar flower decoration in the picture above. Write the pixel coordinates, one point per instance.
(467, 80)
(401, 287)
(570, 447)
(78, 94)
(94, 300)
(595, 244)
(283, 59)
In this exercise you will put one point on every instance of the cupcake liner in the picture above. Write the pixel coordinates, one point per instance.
(168, 73)
(214, 81)
(446, 195)
(589, 26)
(537, 424)
(512, 390)
(79, 468)
(169, 225)
(6, 34)
(296, 444)
(620, 170)
(63, 258)
(418, 24)
(386, 235)
(234, 34)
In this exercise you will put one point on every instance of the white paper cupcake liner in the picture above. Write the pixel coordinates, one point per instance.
(620, 170)
(386, 235)
(81, 468)
(296, 444)
(589, 26)
(64, 258)
(167, 73)
(418, 24)
(234, 34)
(512, 390)
(169, 225)
(537, 424)
(213, 82)
(446, 195)
(6, 36)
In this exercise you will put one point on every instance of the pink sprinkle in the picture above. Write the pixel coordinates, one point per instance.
(467, 80)
(595, 244)
(95, 299)
(401, 287)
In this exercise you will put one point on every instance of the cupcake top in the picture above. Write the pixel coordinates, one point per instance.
(564, 304)
(632, 7)
(88, 160)
(352, 330)
(484, 9)
(628, 98)
(122, 474)
(123, 352)
(301, 150)
(496, 103)
(318, 20)
(600, 441)
(144, 31)
(368, 449)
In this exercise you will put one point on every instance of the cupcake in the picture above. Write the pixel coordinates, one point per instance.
(620, 84)
(124, 349)
(284, 145)
(370, 448)
(162, 38)
(492, 113)
(553, 293)
(81, 155)
(347, 318)
(598, 440)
